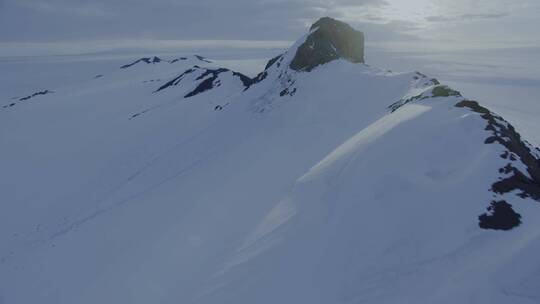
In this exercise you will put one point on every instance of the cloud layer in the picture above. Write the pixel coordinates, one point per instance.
(184, 19)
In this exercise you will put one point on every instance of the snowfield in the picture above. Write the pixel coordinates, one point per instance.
(345, 184)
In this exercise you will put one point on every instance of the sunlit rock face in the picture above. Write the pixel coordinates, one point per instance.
(329, 39)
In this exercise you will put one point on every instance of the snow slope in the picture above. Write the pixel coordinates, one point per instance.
(345, 184)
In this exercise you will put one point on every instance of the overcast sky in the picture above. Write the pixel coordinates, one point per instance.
(467, 22)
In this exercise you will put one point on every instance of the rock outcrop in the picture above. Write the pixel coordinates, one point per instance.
(329, 39)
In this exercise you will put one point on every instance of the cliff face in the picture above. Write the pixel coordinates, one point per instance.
(329, 39)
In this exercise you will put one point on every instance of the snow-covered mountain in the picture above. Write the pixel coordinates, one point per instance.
(321, 180)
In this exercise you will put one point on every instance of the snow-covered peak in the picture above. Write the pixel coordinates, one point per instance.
(178, 181)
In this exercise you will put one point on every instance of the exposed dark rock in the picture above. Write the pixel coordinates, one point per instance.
(178, 59)
(500, 216)
(201, 58)
(437, 91)
(35, 94)
(143, 112)
(176, 80)
(444, 91)
(25, 98)
(420, 74)
(147, 60)
(504, 134)
(245, 80)
(432, 81)
(214, 73)
(208, 83)
(155, 59)
(151, 80)
(329, 40)
(209, 79)
(287, 91)
(262, 75)
(272, 61)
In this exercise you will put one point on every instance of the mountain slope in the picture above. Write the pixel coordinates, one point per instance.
(344, 184)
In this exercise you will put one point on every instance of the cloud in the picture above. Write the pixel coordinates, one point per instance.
(29, 20)
(381, 20)
(465, 17)
(58, 7)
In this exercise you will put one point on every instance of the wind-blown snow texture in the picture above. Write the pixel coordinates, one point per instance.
(176, 181)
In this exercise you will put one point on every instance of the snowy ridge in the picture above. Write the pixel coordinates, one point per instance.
(363, 139)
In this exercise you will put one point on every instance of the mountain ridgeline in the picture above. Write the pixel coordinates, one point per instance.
(321, 180)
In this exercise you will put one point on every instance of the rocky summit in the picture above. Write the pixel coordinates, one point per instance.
(328, 40)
